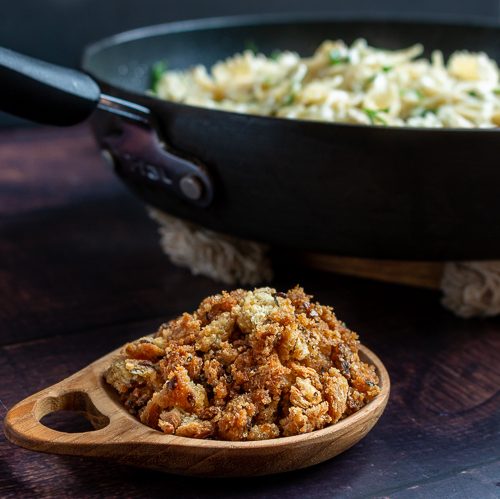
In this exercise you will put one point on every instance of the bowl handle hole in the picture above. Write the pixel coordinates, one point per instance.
(70, 412)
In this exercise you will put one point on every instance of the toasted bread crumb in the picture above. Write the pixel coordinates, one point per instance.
(246, 365)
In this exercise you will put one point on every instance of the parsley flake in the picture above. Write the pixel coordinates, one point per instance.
(252, 46)
(288, 100)
(374, 115)
(335, 56)
(275, 55)
(157, 71)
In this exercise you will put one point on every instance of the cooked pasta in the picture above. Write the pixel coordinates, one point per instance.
(356, 84)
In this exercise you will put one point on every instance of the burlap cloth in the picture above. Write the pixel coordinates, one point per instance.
(470, 289)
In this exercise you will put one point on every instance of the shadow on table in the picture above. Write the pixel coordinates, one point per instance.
(127, 481)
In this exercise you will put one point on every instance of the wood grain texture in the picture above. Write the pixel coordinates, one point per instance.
(420, 274)
(120, 437)
(82, 274)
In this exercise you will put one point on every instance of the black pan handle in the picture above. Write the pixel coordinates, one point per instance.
(44, 92)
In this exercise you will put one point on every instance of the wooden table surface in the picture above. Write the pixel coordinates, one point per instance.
(81, 272)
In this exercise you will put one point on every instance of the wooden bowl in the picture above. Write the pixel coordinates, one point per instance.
(120, 437)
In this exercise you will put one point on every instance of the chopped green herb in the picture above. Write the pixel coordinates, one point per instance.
(288, 100)
(386, 69)
(275, 54)
(474, 94)
(336, 57)
(157, 71)
(425, 112)
(374, 115)
(252, 46)
(370, 80)
(496, 91)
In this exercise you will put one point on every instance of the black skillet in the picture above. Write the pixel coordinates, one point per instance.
(368, 191)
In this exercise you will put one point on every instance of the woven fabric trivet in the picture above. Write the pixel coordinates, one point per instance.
(470, 289)
(223, 258)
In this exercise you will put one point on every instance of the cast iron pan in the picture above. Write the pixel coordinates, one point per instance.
(380, 192)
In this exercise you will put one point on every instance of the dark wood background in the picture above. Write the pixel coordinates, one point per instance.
(81, 272)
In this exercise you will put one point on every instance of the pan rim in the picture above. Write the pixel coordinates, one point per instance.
(252, 20)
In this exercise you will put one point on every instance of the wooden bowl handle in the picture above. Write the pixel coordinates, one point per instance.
(82, 393)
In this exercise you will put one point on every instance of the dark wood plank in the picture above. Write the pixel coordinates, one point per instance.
(82, 273)
(74, 242)
(422, 438)
(85, 263)
(45, 168)
(482, 482)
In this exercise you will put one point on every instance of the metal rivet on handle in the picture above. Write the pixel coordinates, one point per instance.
(108, 157)
(191, 187)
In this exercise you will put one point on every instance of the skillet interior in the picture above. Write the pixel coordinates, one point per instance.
(124, 60)
(355, 190)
